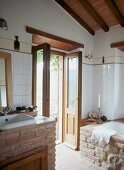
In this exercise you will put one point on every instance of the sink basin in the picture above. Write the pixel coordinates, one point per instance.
(40, 117)
(16, 120)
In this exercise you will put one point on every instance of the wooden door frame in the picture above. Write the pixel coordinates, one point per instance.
(46, 84)
(46, 77)
(8, 77)
(79, 98)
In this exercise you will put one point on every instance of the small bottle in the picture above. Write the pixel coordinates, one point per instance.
(16, 43)
(103, 60)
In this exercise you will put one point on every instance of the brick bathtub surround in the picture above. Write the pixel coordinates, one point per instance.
(98, 155)
(20, 140)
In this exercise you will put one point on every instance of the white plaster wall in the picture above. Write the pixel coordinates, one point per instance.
(87, 71)
(44, 15)
(102, 41)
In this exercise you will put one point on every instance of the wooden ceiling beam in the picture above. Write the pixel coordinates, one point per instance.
(34, 31)
(90, 9)
(117, 44)
(112, 4)
(69, 10)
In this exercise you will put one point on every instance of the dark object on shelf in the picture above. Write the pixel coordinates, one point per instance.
(31, 109)
(3, 24)
(104, 118)
(23, 108)
(16, 44)
(18, 108)
(1, 114)
(103, 60)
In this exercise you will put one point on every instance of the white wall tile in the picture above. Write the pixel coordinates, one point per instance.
(86, 90)
(17, 100)
(17, 90)
(107, 80)
(18, 58)
(26, 100)
(27, 79)
(22, 79)
(17, 79)
(26, 90)
(18, 68)
(27, 69)
(28, 59)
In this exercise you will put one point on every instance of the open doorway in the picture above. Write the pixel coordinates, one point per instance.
(65, 97)
(58, 97)
(68, 116)
(56, 88)
(56, 91)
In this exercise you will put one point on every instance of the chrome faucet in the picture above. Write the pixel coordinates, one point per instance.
(6, 110)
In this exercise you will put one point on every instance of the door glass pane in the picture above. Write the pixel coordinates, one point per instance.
(56, 75)
(72, 82)
(54, 84)
(39, 81)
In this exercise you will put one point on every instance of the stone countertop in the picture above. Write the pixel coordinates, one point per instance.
(89, 127)
(38, 118)
(118, 138)
(43, 119)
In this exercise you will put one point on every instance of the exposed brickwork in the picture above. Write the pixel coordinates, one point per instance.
(97, 154)
(21, 140)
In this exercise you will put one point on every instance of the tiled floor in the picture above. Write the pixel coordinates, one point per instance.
(68, 159)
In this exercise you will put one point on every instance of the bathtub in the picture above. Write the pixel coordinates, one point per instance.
(103, 155)
(116, 126)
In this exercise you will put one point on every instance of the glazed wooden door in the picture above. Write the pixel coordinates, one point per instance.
(41, 78)
(72, 86)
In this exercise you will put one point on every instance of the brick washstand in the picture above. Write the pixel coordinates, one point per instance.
(100, 155)
(20, 140)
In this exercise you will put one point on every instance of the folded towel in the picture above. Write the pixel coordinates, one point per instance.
(102, 135)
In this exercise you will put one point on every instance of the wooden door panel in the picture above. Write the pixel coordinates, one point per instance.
(72, 103)
(26, 164)
(70, 124)
(37, 161)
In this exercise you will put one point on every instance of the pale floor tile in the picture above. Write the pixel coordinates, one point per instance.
(68, 159)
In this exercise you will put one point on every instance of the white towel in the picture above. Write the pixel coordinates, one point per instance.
(102, 135)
